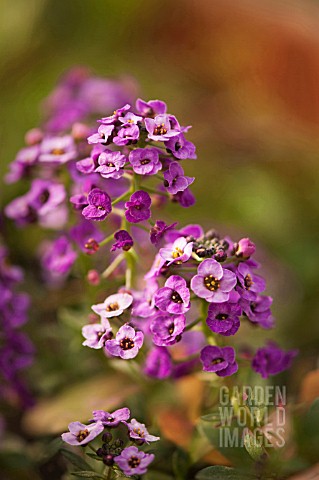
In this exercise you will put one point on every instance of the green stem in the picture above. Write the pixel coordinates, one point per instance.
(110, 269)
(153, 190)
(106, 240)
(192, 324)
(124, 196)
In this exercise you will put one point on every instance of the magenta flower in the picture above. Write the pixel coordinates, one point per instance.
(124, 241)
(126, 343)
(81, 434)
(151, 108)
(112, 419)
(271, 360)
(158, 363)
(212, 282)
(126, 134)
(258, 311)
(133, 462)
(113, 306)
(186, 198)
(174, 179)
(220, 360)
(250, 284)
(174, 297)
(179, 252)
(166, 329)
(145, 161)
(245, 248)
(57, 150)
(181, 148)
(158, 231)
(223, 318)
(138, 431)
(99, 206)
(138, 207)
(97, 334)
(111, 164)
(102, 135)
(161, 128)
(58, 257)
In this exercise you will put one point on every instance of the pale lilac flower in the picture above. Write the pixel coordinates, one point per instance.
(124, 241)
(99, 206)
(181, 148)
(166, 329)
(271, 360)
(126, 343)
(116, 115)
(113, 306)
(97, 334)
(130, 119)
(156, 268)
(212, 282)
(223, 318)
(81, 434)
(138, 207)
(179, 252)
(57, 150)
(24, 161)
(111, 164)
(86, 165)
(133, 462)
(161, 128)
(174, 297)
(145, 161)
(158, 363)
(151, 108)
(174, 179)
(192, 231)
(220, 360)
(138, 431)
(158, 231)
(102, 135)
(112, 419)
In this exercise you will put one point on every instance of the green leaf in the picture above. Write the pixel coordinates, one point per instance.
(222, 473)
(76, 460)
(255, 450)
(88, 474)
(180, 461)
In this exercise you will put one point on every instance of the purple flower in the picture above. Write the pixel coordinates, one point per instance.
(174, 296)
(86, 165)
(26, 158)
(161, 128)
(174, 179)
(158, 363)
(126, 344)
(179, 252)
(124, 241)
(111, 164)
(138, 431)
(145, 161)
(271, 360)
(258, 311)
(116, 115)
(138, 207)
(212, 282)
(81, 434)
(57, 150)
(158, 231)
(166, 329)
(58, 257)
(130, 119)
(99, 205)
(186, 198)
(126, 134)
(220, 360)
(245, 248)
(249, 283)
(112, 419)
(102, 135)
(83, 233)
(223, 318)
(114, 305)
(97, 334)
(181, 148)
(133, 462)
(193, 230)
(151, 108)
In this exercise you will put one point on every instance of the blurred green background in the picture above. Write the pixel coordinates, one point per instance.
(245, 74)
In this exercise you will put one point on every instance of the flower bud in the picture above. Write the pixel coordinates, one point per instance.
(93, 277)
(245, 248)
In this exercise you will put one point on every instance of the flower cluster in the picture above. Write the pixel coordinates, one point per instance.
(16, 350)
(197, 279)
(130, 460)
